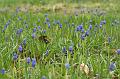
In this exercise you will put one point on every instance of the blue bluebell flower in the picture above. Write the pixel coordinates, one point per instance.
(112, 66)
(47, 52)
(33, 62)
(28, 60)
(19, 31)
(15, 56)
(90, 27)
(34, 30)
(104, 21)
(33, 35)
(100, 25)
(118, 51)
(80, 27)
(47, 19)
(87, 33)
(48, 25)
(64, 49)
(39, 27)
(60, 25)
(67, 66)
(20, 48)
(71, 48)
(44, 31)
(43, 77)
(3, 71)
(82, 37)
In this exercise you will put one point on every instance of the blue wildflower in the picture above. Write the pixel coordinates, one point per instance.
(15, 56)
(118, 51)
(100, 25)
(28, 60)
(34, 30)
(60, 25)
(33, 35)
(64, 49)
(47, 52)
(48, 25)
(71, 48)
(33, 62)
(19, 31)
(20, 48)
(39, 27)
(43, 77)
(87, 33)
(82, 37)
(44, 31)
(90, 27)
(3, 71)
(80, 27)
(112, 66)
(104, 21)
(47, 19)
(67, 65)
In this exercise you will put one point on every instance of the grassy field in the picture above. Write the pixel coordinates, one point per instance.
(59, 39)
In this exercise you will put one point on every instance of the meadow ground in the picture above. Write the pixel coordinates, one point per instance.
(59, 39)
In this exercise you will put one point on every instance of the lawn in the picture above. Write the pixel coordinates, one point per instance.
(59, 39)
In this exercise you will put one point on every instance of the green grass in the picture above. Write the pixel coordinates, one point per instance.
(94, 50)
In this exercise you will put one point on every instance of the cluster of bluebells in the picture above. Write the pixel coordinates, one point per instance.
(102, 22)
(6, 25)
(112, 66)
(71, 48)
(28, 60)
(15, 56)
(20, 48)
(118, 51)
(19, 31)
(33, 62)
(64, 49)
